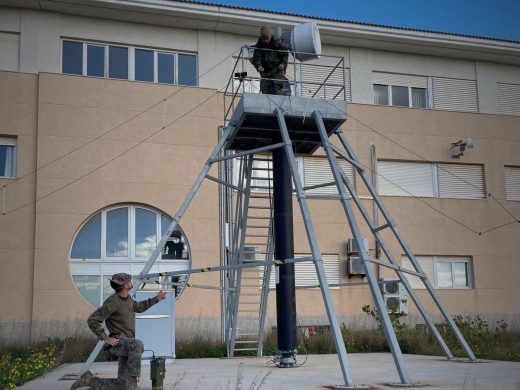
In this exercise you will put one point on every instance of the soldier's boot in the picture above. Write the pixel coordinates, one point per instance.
(83, 381)
(132, 383)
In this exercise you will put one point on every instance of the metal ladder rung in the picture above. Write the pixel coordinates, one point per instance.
(257, 235)
(260, 207)
(250, 217)
(247, 311)
(258, 196)
(261, 159)
(244, 349)
(246, 342)
(379, 228)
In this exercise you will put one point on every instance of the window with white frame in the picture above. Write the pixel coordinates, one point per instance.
(434, 180)
(444, 272)
(128, 63)
(7, 157)
(121, 239)
(512, 176)
(400, 90)
(305, 272)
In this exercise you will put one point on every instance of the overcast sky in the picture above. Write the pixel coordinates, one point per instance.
(485, 18)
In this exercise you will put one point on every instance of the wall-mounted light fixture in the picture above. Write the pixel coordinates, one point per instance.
(458, 148)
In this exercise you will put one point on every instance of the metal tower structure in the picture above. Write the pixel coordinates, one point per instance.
(260, 125)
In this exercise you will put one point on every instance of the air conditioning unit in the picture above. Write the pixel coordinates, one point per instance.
(394, 296)
(352, 248)
(355, 267)
(250, 253)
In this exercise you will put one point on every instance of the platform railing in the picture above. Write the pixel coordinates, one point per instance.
(320, 78)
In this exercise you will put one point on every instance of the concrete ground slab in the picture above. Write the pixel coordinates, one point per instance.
(376, 370)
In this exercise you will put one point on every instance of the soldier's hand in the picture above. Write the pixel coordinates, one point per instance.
(112, 341)
(261, 69)
(161, 295)
(281, 66)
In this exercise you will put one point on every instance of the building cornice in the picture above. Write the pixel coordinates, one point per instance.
(246, 21)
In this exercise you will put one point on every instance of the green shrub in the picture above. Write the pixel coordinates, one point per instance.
(23, 365)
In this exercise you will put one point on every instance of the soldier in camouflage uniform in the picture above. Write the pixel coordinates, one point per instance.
(270, 60)
(118, 314)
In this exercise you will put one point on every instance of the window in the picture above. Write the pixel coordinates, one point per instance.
(121, 239)
(144, 65)
(305, 272)
(433, 180)
(72, 57)
(400, 90)
(128, 63)
(442, 271)
(187, 69)
(508, 97)
(95, 61)
(10, 49)
(455, 94)
(118, 62)
(7, 157)
(512, 183)
(317, 171)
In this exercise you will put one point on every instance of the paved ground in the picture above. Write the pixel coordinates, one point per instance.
(319, 371)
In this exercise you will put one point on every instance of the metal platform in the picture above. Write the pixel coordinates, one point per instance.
(256, 124)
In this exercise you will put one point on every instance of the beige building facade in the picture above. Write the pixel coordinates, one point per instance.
(92, 154)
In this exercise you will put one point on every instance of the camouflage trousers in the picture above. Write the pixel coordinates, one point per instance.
(275, 83)
(129, 352)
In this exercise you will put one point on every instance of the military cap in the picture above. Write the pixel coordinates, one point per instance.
(121, 279)
(265, 31)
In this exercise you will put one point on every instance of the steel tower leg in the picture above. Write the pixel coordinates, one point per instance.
(316, 254)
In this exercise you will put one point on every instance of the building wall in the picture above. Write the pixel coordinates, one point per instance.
(59, 187)
(18, 110)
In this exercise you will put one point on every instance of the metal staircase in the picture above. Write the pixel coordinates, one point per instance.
(248, 300)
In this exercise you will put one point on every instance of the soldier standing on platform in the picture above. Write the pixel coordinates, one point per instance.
(270, 60)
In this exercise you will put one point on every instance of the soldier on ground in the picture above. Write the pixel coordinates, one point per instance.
(118, 313)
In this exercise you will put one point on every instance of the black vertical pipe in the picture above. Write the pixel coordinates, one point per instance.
(284, 249)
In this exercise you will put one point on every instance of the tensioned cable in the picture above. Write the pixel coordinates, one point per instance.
(489, 195)
(411, 195)
(163, 101)
(138, 143)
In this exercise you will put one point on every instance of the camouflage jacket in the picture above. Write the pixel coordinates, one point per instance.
(118, 314)
(270, 55)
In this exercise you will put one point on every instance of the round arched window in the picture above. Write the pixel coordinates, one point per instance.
(121, 239)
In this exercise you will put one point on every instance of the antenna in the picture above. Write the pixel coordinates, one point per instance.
(304, 41)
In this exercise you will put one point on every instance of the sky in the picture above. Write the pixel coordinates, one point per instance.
(485, 18)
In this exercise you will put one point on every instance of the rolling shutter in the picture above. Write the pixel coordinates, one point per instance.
(333, 78)
(10, 48)
(461, 181)
(508, 96)
(512, 183)
(317, 171)
(305, 272)
(400, 80)
(405, 179)
(455, 94)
